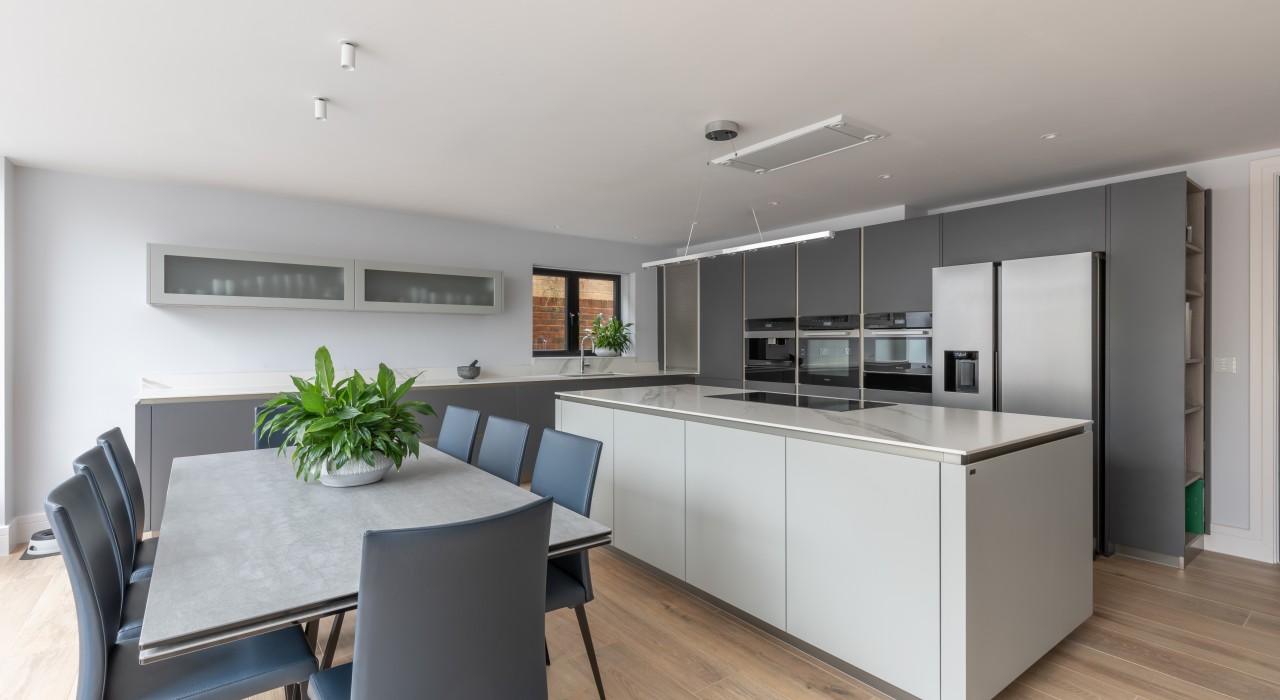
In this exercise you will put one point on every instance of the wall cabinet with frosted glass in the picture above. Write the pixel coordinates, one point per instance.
(183, 276)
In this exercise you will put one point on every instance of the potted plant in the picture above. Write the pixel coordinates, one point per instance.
(346, 432)
(610, 338)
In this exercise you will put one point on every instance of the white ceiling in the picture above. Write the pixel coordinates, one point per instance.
(588, 114)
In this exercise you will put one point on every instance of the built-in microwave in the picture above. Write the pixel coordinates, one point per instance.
(770, 350)
(897, 351)
(829, 351)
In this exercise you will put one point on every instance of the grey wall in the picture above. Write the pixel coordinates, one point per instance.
(1229, 422)
(85, 335)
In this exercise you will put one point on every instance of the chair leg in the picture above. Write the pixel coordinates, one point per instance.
(581, 612)
(311, 631)
(331, 644)
(547, 648)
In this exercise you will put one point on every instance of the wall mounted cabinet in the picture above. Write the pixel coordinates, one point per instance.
(1056, 224)
(898, 261)
(427, 289)
(183, 276)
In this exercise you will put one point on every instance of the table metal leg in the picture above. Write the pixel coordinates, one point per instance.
(331, 644)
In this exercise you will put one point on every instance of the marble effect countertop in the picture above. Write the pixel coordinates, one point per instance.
(196, 387)
(952, 434)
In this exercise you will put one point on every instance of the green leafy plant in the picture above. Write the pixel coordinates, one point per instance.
(332, 423)
(612, 334)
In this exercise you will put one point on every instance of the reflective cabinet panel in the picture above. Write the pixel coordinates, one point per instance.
(427, 289)
(204, 277)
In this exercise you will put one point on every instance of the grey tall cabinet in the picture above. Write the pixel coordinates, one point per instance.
(771, 282)
(899, 258)
(829, 278)
(1056, 224)
(720, 318)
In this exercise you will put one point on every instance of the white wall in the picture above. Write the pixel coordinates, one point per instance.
(7, 234)
(1229, 407)
(85, 334)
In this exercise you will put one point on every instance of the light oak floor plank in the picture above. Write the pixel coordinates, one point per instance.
(1209, 632)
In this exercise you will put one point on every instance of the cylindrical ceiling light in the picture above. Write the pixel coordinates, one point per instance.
(348, 56)
(322, 109)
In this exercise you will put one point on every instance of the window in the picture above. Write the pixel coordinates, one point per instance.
(564, 305)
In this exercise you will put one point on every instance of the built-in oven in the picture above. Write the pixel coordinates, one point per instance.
(897, 351)
(770, 350)
(829, 351)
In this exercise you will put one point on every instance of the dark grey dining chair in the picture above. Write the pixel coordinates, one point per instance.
(502, 449)
(450, 611)
(111, 670)
(113, 501)
(126, 475)
(565, 469)
(458, 432)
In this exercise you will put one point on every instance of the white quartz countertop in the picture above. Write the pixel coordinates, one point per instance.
(197, 387)
(953, 434)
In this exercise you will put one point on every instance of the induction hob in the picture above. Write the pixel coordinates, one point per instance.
(821, 403)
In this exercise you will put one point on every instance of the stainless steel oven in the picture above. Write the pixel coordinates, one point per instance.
(829, 351)
(897, 351)
(770, 350)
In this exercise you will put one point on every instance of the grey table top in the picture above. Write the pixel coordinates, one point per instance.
(246, 548)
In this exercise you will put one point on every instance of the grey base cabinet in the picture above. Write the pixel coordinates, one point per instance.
(166, 431)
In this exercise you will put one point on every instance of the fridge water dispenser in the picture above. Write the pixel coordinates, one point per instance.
(960, 373)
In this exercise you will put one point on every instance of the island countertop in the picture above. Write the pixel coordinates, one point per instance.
(955, 435)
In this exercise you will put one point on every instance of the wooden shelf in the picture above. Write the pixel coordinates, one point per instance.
(1194, 361)
(1192, 294)
(1193, 477)
(1193, 249)
(1193, 409)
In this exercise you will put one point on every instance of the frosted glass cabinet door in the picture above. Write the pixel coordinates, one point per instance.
(427, 289)
(183, 276)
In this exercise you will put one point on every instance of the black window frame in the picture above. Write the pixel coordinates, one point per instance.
(572, 339)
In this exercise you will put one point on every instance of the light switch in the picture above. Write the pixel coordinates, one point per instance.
(1225, 365)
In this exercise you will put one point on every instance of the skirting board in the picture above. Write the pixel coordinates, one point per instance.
(20, 529)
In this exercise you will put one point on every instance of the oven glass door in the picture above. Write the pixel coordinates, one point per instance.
(830, 361)
(898, 363)
(771, 359)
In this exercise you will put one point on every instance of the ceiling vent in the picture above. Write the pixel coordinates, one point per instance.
(824, 138)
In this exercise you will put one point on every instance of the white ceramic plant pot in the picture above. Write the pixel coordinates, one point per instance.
(357, 473)
(606, 352)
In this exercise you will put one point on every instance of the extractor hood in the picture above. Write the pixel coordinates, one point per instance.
(814, 141)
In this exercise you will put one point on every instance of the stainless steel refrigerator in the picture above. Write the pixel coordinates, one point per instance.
(1023, 336)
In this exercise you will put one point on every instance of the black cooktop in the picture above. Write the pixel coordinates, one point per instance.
(821, 403)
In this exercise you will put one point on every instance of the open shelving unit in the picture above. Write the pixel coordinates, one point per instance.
(1196, 384)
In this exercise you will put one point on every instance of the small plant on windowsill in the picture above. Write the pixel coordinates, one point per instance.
(610, 338)
(346, 432)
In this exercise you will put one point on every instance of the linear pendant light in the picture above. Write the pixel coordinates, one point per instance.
(741, 248)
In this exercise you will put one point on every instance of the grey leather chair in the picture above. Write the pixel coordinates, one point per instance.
(458, 432)
(126, 475)
(113, 502)
(111, 670)
(502, 449)
(565, 469)
(265, 442)
(450, 611)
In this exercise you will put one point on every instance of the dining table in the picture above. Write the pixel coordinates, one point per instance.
(248, 548)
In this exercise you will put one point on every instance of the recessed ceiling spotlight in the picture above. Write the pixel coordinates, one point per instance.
(1049, 136)
(886, 176)
(773, 204)
(322, 109)
(555, 225)
(348, 56)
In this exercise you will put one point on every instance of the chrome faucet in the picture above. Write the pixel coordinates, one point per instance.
(582, 353)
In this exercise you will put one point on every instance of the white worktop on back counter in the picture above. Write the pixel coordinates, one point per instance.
(953, 435)
(176, 388)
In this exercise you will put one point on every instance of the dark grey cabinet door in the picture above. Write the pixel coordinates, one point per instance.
(771, 282)
(720, 318)
(830, 279)
(1058, 224)
(188, 429)
(897, 265)
(1146, 316)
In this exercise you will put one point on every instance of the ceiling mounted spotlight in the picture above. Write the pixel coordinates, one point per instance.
(885, 176)
(322, 109)
(348, 56)
(1049, 136)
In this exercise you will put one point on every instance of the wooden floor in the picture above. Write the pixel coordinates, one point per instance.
(1212, 631)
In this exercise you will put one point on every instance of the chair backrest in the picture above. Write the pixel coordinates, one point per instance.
(121, 461)
(111, 499)
(88, 552)
(565, 469)
(262, 441)
(458, 432)
(502, 449)
(459, 609)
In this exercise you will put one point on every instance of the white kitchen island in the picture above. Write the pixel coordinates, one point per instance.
(935, 552)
